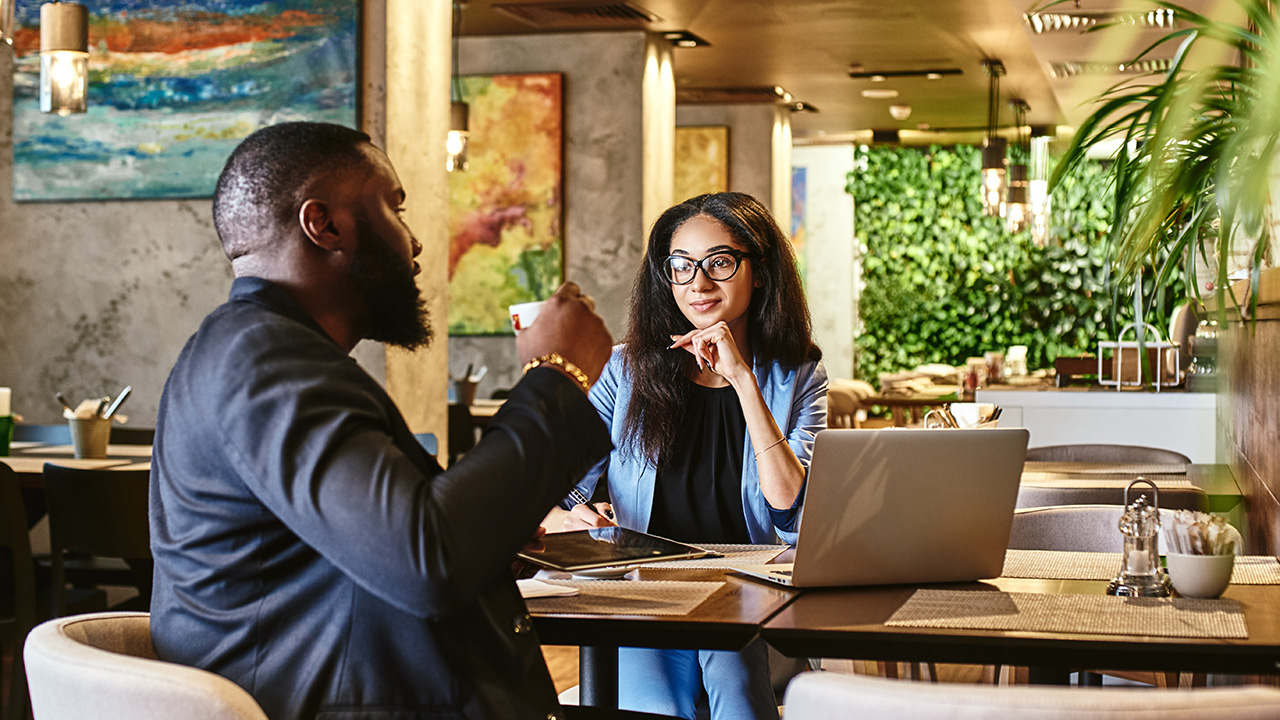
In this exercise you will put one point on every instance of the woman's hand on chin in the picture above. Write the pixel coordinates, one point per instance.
(715, 349)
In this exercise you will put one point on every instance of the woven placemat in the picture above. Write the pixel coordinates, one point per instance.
(734, 556)
(1087, 468)
(626, 597)
(1059, 565)
(1085, 614)
(1119, 482)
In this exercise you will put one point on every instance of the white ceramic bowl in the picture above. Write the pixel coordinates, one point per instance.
(1200, 576)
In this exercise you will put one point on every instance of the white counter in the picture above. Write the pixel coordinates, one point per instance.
(1171, 419)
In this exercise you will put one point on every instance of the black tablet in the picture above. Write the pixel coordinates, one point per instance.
(604, 547)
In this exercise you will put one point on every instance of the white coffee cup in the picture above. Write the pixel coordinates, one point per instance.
(1200, 576)
(523, 314)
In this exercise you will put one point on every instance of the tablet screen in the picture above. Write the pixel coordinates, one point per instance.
(602, 547)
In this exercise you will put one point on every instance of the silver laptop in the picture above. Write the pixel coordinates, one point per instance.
(904, 506)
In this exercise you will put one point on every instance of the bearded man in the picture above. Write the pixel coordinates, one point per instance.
(306, 546)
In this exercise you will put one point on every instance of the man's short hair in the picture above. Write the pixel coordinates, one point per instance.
(261, 186)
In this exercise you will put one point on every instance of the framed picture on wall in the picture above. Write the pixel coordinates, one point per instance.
(701, 160)
(506, 229)
(174, 87)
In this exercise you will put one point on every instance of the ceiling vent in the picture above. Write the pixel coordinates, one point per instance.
(589, 15)
(732, 95)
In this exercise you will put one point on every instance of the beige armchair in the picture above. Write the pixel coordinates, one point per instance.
(101, 666)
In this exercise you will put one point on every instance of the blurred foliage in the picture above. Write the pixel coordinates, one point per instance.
(943, 282)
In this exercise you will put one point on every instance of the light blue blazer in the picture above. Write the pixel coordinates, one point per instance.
(797, 399)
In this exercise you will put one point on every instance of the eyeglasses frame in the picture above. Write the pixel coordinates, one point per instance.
(737, 255)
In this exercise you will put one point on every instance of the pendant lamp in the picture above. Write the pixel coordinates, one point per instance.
(1017, 210)
(1038, 190)
(64, 58)
(455, 145)
(993, 163)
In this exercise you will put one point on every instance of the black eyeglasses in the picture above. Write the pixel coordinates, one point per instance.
(718, 266)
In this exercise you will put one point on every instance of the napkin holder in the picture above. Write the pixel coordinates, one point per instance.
(1164, 358)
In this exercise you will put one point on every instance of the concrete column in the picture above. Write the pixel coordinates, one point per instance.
(658, 129)
(418, 62)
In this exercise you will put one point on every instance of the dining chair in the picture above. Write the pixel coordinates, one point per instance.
(462, 431)
(842, 409)
(1097, 453)
(121, 435)
(818, 696)
(101, 515)
(103, 666)
(1172, 497)
(18, 601)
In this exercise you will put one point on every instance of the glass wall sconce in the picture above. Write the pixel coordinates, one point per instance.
(455, 145)
(64, 58)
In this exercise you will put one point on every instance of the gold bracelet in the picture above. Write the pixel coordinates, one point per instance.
(771, 446)
(558, 360)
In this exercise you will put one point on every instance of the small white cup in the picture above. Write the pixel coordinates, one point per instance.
(523, 314)
(1200, 576)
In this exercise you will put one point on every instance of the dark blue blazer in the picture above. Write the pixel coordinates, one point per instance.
(307, 548)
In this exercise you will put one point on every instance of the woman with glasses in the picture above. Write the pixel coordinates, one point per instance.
(713, 402)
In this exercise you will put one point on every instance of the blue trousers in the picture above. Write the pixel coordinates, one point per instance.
(670, 682)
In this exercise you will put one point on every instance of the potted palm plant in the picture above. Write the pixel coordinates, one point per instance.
(1195, 150)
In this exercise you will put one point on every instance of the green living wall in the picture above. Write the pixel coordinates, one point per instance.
(943, 282)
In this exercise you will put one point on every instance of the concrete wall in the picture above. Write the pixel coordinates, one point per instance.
(750, 143)
(99, 295)
(832, 274)
(603, 166)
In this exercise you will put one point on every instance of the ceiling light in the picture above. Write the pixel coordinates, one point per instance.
(684, 39)
(878, 78)
(64, 58)
(1042, 23)
(880, 93)
(933, 76)
(900, 112)
(801, 106)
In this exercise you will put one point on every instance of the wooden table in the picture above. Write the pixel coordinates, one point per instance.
(901, 405)
(728, 620)
(849, 623)
(28, 459)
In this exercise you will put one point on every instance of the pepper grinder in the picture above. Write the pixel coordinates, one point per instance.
(1140, 572)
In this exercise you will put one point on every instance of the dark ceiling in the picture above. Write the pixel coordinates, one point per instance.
(808, 48)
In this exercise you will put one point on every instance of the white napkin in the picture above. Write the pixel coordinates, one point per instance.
(530, 588)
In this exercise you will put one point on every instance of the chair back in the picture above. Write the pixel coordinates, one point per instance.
(19, 611)
(1106, 454)
(842, 408)
(1077, 528)
(47, 434)
(101, 513)
(814, 696)
(121, 435)
(1172, 497)
(103, 666)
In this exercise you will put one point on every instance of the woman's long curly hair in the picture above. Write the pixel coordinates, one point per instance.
(778, 316)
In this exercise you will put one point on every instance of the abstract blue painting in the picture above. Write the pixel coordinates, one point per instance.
(174, 85)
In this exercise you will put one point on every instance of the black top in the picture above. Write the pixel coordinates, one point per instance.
(307, 548)
(698, 496)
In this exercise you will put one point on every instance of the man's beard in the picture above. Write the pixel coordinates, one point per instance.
(395, 312)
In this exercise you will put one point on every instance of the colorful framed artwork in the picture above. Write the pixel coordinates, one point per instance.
(702, 161)
(173, 88)
(506, 230)
(799, 202)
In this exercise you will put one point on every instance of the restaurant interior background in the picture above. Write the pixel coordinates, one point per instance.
(100, 294)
